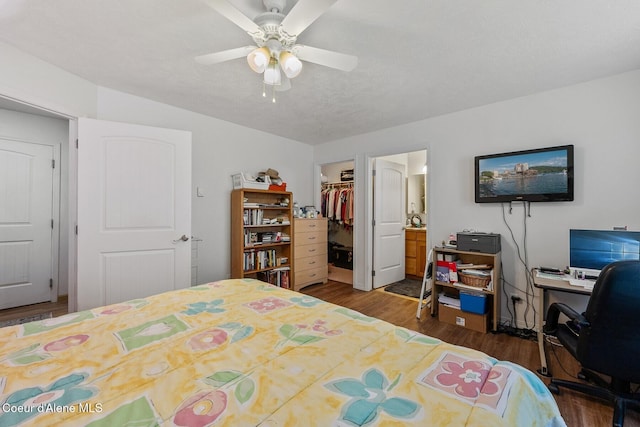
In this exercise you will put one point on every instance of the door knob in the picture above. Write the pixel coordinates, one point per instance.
(184, 238)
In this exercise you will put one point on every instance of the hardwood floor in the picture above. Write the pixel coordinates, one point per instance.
(577, 409)
(56, 308)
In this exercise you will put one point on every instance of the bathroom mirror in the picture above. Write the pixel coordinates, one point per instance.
(416, 194)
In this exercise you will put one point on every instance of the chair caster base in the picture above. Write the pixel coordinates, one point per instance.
(553, 388)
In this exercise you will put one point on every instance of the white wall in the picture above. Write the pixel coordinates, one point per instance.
(48, 131)
(219, 150)
(332, 171)
(600, 118)
(34, 81)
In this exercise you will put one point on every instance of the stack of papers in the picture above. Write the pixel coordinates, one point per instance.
(479, 273)
(450, 301)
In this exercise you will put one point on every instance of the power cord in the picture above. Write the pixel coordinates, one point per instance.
(555, 343)
(529, 291)
(511, 330)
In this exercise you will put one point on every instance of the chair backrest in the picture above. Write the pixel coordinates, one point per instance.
(611, 345)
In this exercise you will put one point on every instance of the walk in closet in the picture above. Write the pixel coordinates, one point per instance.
(338, 206)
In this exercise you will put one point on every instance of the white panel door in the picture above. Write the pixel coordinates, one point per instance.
(389, 216)
(134, 206)
(26, 196)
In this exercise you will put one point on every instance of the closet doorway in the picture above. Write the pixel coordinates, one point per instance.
(338, 206)
(33, 219)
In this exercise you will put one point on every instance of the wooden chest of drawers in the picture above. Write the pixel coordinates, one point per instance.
(310, 252)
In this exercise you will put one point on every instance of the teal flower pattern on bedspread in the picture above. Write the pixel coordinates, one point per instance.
(204, 307)
(369, 397)
(61, 394)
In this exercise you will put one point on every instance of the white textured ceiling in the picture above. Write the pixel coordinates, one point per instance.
(417, 58)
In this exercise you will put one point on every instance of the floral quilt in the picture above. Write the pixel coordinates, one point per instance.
(243, 352)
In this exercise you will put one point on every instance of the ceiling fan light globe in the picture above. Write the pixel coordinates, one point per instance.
(258, 59)
(272, 76)
(290, 64)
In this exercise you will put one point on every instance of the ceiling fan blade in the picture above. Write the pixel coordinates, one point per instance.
(285, 84)
(327, 58)
(226, 9)
(303, 14)
(225, 55)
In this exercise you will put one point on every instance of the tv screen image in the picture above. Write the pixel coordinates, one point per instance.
(538, 175)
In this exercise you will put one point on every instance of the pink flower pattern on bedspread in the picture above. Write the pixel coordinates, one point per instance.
(67, 342)
(266, 305)
(469, 380)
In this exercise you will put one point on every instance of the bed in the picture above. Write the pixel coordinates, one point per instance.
(241, 352)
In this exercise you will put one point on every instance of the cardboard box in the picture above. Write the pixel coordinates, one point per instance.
(455, 316)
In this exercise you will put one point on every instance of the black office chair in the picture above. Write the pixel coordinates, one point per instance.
(605, 339)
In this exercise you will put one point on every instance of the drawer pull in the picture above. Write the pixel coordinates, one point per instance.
(312, 238)
(312, 262)
(313, 275)
(311, 225)
(312, 250)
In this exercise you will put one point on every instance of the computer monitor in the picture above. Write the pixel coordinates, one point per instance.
(591, 250)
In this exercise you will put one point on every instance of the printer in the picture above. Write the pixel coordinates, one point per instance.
(488, 243)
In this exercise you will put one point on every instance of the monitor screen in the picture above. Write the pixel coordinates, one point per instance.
(593, 249)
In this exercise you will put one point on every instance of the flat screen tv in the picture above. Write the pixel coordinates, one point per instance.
(538, 175)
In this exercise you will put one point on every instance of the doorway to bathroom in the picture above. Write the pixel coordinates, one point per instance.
(399, 207)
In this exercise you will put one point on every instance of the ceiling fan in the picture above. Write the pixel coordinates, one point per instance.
(276, 55)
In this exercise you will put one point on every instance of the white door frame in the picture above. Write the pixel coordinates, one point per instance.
(72, 199)
(357, 227)
(367, 215)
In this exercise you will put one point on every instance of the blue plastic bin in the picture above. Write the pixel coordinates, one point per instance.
(473, 303)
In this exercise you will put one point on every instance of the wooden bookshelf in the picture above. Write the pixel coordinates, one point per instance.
(262, 235)
(476, 258)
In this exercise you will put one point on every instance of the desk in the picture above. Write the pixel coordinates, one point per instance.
(545, 285)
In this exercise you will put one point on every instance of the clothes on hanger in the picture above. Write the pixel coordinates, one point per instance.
(338, 203)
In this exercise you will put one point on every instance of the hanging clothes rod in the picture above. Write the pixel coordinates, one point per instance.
(338, 184)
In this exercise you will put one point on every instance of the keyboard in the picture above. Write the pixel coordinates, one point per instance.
(583, 283)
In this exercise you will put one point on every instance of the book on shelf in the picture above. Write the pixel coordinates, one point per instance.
(254, 238)
(259, 259)
(446, 271)
(442, 271)
(278, 277)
